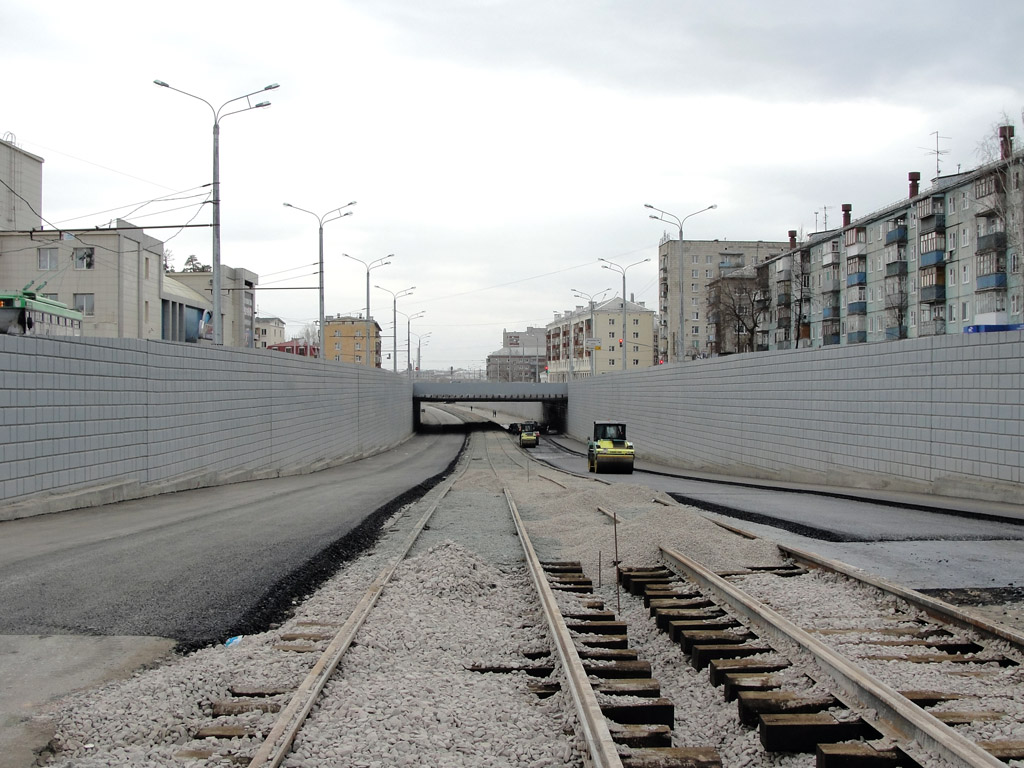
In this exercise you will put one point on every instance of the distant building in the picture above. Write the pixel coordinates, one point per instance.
(113, 275)
(296, 347)
(589, 339)
(684, 274)
(522, 357)
(352, 340)
(269, 331)
(238, 301)
(944, 260)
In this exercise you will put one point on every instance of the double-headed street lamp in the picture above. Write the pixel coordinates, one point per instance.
(381, 262)
(332, 215)
(590, 298)
(621, 269)
(218, 323)
(395, 296)
(672, 218)
(408, 337)
(421, 341)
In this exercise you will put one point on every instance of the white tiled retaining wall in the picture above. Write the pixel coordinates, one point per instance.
(122, 418)
(942, 414)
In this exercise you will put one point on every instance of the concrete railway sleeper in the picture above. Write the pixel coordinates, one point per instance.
(812, 683)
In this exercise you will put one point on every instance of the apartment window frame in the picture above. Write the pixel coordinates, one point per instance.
(84, 258)
(48, 258)
(85, 303)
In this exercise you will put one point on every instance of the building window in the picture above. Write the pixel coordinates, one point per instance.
(611, 361)
(359, 346)
(611, 334)
(695, 273)
(337, 345)
(635, 362)
(695, 329)
(47, 258)
(636, 321)
(965, 311)
(85, 258)
(84, 303)
(696, 315)
(966, 273)
(359, 358)
(952, 313)
(636, 335)
(696, 258)
(1015, 303)
(611, 321)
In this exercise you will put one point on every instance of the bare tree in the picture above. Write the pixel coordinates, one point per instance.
(168, 260)
(740, 302)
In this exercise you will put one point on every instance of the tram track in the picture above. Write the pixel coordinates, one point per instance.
(642, 690)
(812, 684)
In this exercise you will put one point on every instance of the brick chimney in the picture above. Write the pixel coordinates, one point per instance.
(1005, 142)
(847, 208)
(915, 183)
(792, 238)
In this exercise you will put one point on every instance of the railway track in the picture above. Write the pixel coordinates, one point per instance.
(864, 673)
(447, 658)
(589, 660)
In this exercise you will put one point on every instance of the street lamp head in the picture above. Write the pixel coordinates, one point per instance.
(161, 83)
(287, 205)
(271, 87)
(261, 105)
(652, 216)
(648, 205)
(713, 205)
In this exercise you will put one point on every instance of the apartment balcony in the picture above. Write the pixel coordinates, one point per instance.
(930, 294)
(896, 269)
(829, 339)
(931, 258)
(784, 344)
(856, 278)
(784, 299)
(833, 285)
(993, 282)
(857, 337)
(857, 249)
(896, 332)
(857, 308)
(830, 312)
(936, 223)
(932, 328)
(830, 258)
(897, 235)
(994, 242)
(783, 275)
(784, 321)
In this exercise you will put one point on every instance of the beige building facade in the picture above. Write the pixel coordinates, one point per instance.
(350, 339)
(589, 340)
(684, 272)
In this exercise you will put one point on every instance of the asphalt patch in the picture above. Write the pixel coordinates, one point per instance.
(278, 603)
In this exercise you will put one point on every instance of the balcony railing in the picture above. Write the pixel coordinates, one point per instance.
(833, 285)
(896, 332)
(995, 281)
(932, 257)
(994, 242)
(896, 269)
(930, 294)
(936, 223)
(931, 328)
(857, 308)
(784, 299)
(856, 278)
(857, 337)
(897, 235)
(828, 313)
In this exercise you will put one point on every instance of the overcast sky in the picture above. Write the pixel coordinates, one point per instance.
(497, 148)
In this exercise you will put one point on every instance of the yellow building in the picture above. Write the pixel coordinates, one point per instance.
(352, 340)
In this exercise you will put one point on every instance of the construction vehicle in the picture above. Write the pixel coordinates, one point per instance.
(529, 434)
(608, 450)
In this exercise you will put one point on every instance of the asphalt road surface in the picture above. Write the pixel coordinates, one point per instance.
(921, 548)
(195, 566)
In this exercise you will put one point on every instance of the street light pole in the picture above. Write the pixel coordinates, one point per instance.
(381, 262)
(335, 214)
(408, 338)
(672, 218)
(590, 298)
(619, 268)
(395, 296)
(218, 323)
(419, 349)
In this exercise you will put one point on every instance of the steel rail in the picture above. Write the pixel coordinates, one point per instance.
(289, 722)
(904, 719)
(600, 745)
(937, 609)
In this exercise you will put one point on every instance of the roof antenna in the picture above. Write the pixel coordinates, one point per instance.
(937, 152)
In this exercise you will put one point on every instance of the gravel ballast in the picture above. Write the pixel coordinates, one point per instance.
(404, 694)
